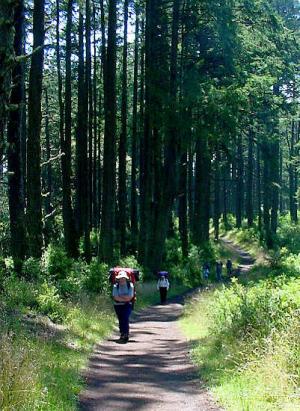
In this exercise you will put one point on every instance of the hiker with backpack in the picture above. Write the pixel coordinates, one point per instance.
(219, 266)
(229, 268)
(123, 294)
(163, 286)
(205, 270)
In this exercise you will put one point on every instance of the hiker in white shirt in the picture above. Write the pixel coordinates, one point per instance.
(163, 286)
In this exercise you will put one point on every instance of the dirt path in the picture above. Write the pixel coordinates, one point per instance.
(152, 372)
(246, 262)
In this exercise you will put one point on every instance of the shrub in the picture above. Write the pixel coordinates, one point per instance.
(193, 269)
(56, 263)
(50, 302)
(173, 254)
(31, 269)
(75, 279)
(19, 293)
(256, 311)
(289, 235)
(97, 277)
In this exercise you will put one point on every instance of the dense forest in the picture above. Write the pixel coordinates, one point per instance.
(121, 121)
(157, 135)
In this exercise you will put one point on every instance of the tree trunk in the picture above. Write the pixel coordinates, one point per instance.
(292, 179)
(202, 191)
(217, 186)
(109, 161)
(81, 143)
(14, 155)
(88, 106)
(6, 62)
(134, 146)
(48, 176)
(182, 206)
(258, 188)
(34, 203)
(239, 183)
(70, 236)
(250, 213)
(123, 143)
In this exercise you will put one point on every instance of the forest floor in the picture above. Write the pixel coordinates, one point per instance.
(154, 370)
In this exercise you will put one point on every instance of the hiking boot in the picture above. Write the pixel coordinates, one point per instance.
(125, 338)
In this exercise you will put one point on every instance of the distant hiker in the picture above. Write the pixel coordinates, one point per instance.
(123, 293)
(219, 266)
(229, 268)
(206, 271)
(163, 286)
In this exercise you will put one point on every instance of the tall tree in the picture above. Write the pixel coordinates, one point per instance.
(109, 160)
(68, 216)
(14, 154)
(34, 203)
(134, 144)
(6, 63)
(122, 197)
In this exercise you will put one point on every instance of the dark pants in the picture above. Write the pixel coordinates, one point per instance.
(163, 294)
(123, 313)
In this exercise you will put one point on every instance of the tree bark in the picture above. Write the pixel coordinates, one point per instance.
(249, 212)
(70, 236)
(14, 152)
(34, 203)
(239, 183)
(122, 197)
(134, 146)
(202, 192)
(109, 161)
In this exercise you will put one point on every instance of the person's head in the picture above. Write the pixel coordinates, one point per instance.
(122, 277)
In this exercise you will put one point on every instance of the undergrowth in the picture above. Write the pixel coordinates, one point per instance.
(245, 337)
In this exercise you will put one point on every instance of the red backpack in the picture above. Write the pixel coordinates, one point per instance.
(133, 274)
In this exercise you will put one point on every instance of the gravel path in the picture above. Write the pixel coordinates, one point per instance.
(152, 372)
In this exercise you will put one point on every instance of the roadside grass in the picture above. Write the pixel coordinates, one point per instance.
(244, 374)
(248, 370)
(41, 361)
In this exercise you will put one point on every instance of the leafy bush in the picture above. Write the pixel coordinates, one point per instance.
(289, 235)
(74, 282)
(31, 269)
(240, 311)
(55, 262)
(173, 253)
(19, 293)
(96, 279)
(50, 302)
(193, 269)
(129, 261)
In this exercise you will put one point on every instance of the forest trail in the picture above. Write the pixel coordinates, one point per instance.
(246, 262)
(153, 371)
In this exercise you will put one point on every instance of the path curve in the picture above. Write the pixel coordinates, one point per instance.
(152, 372)
(246, 261)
